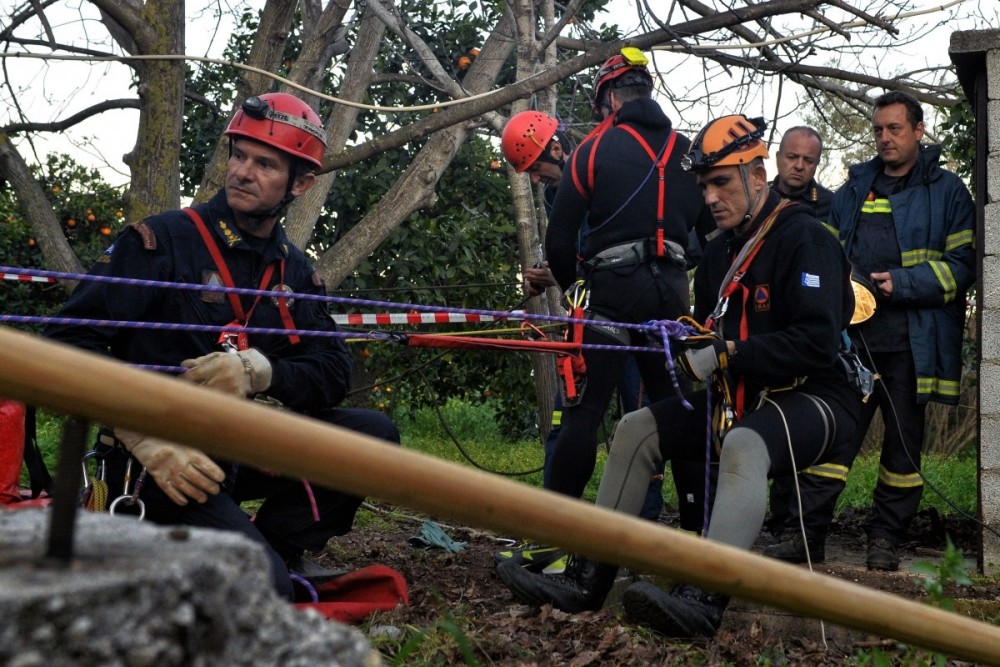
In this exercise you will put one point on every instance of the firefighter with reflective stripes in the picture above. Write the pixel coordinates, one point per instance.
(908, 225)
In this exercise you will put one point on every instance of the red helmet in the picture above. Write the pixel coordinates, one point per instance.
(630, 61)
(284, 122)
(525, 136)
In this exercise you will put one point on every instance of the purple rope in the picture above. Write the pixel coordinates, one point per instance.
(304, 583)
(671, 329)
(173, 326)
(137, 282)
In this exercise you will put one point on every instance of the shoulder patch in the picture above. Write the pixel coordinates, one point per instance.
(148, 237)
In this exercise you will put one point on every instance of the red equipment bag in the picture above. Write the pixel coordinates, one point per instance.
(11, 450)
(352, 597)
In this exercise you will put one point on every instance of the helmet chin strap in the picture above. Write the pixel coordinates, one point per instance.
(751, 205)
(280, 206)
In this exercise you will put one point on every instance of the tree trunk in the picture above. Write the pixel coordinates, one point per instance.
(300, 222)
(268, 48)
(38, 212)
(155, 161)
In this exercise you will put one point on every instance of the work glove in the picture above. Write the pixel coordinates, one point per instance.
(181, 472)
(242, 373)
(698, 363)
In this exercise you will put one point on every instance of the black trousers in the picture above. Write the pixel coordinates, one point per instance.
(637, 293)
(285, 524)
(899, 487)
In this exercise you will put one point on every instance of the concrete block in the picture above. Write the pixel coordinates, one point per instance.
(989, 485)
(990, 338)
(993, 71)
(990, 280)
(989, 389)
(993, 124)
(992, 190)
(137, 594)
(989, 443)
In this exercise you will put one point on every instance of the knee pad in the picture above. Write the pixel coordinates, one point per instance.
(744, 452)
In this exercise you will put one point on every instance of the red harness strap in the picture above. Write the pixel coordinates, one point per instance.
(242, 317)
(661, 167)
(585, 189)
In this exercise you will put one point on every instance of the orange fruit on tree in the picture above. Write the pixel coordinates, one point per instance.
(106, 231)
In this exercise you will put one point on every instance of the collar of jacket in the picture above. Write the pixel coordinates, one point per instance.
(926, 169)
(219, 218)
(645, 112)
(808, 196)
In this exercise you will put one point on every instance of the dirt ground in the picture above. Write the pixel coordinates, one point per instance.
(464, 588)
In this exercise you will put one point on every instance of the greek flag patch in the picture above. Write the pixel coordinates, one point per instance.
(810, 280)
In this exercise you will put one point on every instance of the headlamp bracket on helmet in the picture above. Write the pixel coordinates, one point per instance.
(706, 161)
(259, 109)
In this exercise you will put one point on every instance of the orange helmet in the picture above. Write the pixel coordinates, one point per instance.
(525, 137)
(729, 140)
(284, 122)
(630, 61)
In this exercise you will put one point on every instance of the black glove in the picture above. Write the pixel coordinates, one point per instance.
(698, 363)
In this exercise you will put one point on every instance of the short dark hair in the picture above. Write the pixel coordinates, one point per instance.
(805, 129)
(632, 85)
(914, 113)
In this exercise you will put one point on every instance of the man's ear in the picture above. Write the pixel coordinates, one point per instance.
(758, 172)
(303, 183)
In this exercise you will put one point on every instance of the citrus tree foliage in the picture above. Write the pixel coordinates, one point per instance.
(958, 131)
(461, 252)
(91, 215)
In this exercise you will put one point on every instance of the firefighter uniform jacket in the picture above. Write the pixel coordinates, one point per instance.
(309, 373)
(935, 227)
(614, 190)
(789, 308)
(815, 196)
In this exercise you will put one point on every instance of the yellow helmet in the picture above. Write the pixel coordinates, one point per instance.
(729, 140)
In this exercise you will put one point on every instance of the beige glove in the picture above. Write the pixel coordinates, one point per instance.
(243, 373)
(181, 472)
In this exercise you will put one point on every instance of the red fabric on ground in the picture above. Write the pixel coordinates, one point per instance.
(354, 596)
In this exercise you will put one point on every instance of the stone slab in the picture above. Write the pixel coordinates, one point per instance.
(139, 595)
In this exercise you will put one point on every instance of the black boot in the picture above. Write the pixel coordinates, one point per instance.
(582, 587)
(792, 549)
(685, 612)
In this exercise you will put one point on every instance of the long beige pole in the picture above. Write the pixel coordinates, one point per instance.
(66, 380)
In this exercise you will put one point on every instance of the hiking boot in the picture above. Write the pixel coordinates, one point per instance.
(685, 612)
(882, 555)
(791, 549)
(535, 558)
(582, 587)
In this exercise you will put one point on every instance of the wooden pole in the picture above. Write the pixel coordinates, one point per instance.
(66, 380)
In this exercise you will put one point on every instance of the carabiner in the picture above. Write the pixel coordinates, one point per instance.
(131, 498)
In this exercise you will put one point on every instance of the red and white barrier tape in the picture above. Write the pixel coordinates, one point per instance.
(358, 319)
(28, 279)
